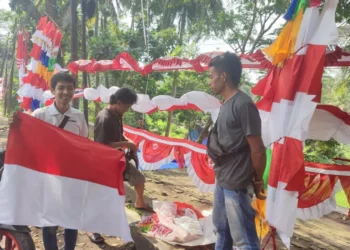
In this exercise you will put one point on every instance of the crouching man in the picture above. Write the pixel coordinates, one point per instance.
(108, 130)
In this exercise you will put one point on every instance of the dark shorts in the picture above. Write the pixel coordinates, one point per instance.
(132, 175)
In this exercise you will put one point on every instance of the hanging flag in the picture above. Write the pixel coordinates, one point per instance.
(290, 93)
(46, 43)
(67, 181)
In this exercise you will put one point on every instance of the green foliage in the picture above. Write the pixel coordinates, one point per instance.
(325, 151)
(335, 92)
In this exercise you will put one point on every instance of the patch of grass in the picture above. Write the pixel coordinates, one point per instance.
(341, 199)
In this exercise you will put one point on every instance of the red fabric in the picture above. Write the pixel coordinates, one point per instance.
(131, 61)
(314, 3)
(200, 164)
(330, 167)
(26, 103)
(179, 153)
(42, 23)
(318, 188)
(20, 48)
(80, 65)
(70, 155)
(345, 182)
(256, 60)
(199, 160)
(153, 151)
(57, 38)
(135, 138)
(285, 83)
(49, 102)
(36, 52)
(101, 66)
(180, 207)
(287, 165)
(26, 51)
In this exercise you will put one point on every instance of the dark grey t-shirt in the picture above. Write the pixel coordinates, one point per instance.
(238, 118)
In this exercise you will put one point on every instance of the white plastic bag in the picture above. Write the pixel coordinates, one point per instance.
(190, 225)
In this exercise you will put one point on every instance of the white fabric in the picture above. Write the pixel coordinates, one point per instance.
(318, 211)
(281, 208)
(202, 100)
(327, 32)
(154, 165)
(91, 94)
(27, 90)
(326, 171)
(60, 201)
(144, 104)
(324, 126)
(307, 27)
(165, 102)
(104, 93)
(287, 118)
(76, 123)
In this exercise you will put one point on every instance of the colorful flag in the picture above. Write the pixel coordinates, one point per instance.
(290, 93)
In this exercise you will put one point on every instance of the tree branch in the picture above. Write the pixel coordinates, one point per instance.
(250, 28)
(263, 31)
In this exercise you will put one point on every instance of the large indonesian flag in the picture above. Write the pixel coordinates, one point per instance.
(54, 177)
(290, 93)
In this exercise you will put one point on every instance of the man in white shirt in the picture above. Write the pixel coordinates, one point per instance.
(62, 87)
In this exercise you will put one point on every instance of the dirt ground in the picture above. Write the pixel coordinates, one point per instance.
(328, 233)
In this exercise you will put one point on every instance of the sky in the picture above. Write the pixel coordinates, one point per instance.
(4, 4)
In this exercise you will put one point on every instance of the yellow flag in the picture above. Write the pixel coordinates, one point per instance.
(283, 46)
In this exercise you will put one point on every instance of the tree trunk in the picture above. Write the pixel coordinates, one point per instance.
(170, 113)
(74, 40)
(106, 79)
(164, 24)
(51, 9)
(97, 14)
(114, 13)
(4, 85)
(176, 74)
(30, 9)
(9, 81)
(97, 105)
(132, 16)
(84, 56)
(10, 85)
(205, 131)
(5, 59)
(97, 108)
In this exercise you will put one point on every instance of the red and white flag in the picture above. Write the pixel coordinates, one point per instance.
(289, 98)
(56, 178)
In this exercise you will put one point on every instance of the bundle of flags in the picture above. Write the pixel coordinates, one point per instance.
(290, 93)
(22, 54)
(46, 43)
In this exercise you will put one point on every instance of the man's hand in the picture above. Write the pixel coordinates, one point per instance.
(14, 119)
(131, 146)
(259, 189)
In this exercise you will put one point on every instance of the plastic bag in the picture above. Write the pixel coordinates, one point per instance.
(190, 225)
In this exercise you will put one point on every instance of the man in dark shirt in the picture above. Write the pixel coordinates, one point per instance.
(238, 130)
(142, 124)
(108, 130)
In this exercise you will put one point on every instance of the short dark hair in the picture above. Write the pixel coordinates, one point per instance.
(230, 64)
(62, 77)
(124, 95)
